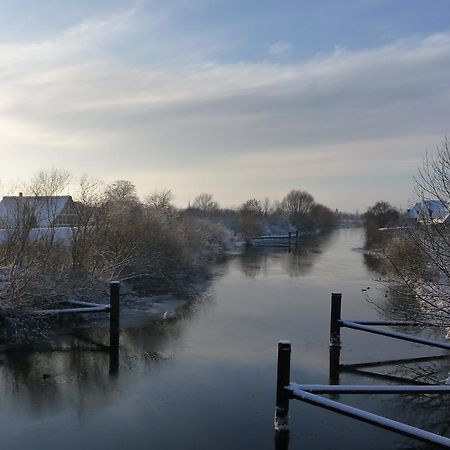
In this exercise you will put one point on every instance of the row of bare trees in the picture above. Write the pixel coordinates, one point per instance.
(297, 210)
(107, 233)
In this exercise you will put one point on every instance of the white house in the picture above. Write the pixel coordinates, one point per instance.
(37, 211)
(430, 212)
(44, 217)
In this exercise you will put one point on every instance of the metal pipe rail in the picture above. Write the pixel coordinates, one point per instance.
(90, 309)
(307, 393)
(396, 323)
(272, 237)
(393, 334)
(389, 362)
(384, 376)
(368, 389)
(84, 303)
(114, 319)
(367, 417)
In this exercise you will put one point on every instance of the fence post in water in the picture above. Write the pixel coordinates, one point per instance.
(335, 359)
(335, 326)
(335, 338)
(114, 326)
(283, 379)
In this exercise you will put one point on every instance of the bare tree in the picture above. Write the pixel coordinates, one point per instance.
(266, 206)
(297, 206)
(381, 214)
(122, 192)
(48, 183)
(250, 219)
(86, 226)
(419, 256)
(160, 200)
(205, 203)
(110, 234)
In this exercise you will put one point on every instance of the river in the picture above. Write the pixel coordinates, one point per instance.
(207, 379)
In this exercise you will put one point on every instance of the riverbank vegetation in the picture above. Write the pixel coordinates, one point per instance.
(55, 248)
(50, 253)
(415, 251)
(297, 211)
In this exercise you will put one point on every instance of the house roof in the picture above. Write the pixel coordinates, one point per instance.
(44, 209)
(436, 211)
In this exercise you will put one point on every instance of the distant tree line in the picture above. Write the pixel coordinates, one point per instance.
(296, 211)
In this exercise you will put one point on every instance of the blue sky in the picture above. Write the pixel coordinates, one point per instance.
(240, 99)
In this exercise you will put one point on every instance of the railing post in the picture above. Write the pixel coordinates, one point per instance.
(335, 326)
(335, 338)
(296, 237)
(114, 326)
(334, 369)
(281, 421)
(281, 441)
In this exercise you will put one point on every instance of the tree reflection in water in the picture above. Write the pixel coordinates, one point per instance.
(296, 261)
(74, 371)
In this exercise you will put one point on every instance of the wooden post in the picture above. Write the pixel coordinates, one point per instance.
(335, 326)
(114, 326)
(283, 379)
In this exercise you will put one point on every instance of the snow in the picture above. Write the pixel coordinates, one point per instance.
(44, 209)
(436, 211)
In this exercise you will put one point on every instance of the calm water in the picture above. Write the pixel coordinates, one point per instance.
(206, 381)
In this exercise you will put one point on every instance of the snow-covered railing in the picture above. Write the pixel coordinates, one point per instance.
(312, 393)
(336, 323)
(308, 393)
(271, 239)
(88, 307)
(272, 236)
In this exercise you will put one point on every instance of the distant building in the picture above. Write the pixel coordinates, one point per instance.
(37, 211)
(430, 212)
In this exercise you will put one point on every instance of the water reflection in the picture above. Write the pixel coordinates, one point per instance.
(45, 383)
(281, 441)
(205, 378)
(76, 371)
(296, 261)
(373, 263)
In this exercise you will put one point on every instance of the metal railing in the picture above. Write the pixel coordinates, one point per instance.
(313, 393)
(114, 319)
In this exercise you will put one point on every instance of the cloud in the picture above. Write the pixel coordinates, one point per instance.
(74, 101)
(280, 49)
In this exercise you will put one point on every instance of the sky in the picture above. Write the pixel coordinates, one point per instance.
(241, 99)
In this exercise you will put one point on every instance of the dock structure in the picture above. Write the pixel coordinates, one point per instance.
(279, 240)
